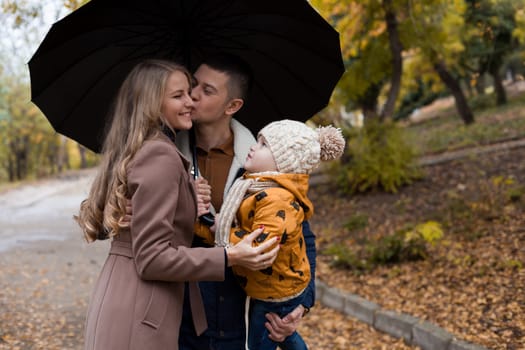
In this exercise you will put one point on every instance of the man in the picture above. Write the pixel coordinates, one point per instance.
(222, 144)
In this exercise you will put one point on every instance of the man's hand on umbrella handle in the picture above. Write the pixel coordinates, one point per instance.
(280, 328)
(202, 207)
(203, 190)
(253, 258)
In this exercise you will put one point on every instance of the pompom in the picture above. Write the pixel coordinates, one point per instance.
(332, 142)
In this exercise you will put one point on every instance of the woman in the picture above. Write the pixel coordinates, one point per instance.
(138, 297)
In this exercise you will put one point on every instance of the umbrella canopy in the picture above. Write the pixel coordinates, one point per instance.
(294, 55)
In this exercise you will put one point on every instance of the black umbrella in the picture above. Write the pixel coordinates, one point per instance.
(293, 52)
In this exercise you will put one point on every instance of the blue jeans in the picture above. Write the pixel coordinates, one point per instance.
(209, 343)
(258, 334)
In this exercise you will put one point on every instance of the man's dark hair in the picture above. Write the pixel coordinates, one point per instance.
(238, 71)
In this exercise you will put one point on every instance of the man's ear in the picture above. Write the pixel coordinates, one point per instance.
(234, 106)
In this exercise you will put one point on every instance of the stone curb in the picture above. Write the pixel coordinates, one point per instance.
(413, 330)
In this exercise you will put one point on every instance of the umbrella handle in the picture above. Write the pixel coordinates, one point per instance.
(206, 219)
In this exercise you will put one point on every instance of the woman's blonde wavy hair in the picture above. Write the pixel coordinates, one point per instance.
(136, 118)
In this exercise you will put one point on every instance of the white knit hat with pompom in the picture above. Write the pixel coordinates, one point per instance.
(298, 148)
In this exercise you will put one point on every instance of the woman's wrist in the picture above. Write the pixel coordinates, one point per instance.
(230, 256)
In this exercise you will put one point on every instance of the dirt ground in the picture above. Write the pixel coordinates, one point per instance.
(473, 283)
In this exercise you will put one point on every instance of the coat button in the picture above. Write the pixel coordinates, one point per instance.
(221, 334)
(221, 299)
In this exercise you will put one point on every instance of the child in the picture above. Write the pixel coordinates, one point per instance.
(273, 194)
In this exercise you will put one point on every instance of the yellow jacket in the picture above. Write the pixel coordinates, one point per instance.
(282, 211)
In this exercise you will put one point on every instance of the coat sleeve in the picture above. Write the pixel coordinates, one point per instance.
(276, 214)
(154, 180)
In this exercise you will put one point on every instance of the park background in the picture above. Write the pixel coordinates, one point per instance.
(424, 213)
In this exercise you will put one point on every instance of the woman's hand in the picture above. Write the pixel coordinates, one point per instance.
(253, 258)
(280, 328)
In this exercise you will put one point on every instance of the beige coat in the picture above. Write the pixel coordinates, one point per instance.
(137, 301)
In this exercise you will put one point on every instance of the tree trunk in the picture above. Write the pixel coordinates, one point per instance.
(18, 159)
(83, 160)
(22, 158)
(61, 154)
(468, 87)
(396, 49)
(480, 84)
(369, 112)
(501, 95)
(11, 169)
(67, 162)
(368, 102)
(453, 85)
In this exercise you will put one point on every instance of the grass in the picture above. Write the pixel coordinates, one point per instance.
(447, 132)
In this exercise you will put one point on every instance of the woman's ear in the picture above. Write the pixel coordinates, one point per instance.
(234, 106)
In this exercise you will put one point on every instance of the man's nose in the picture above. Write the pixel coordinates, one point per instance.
(194, 95)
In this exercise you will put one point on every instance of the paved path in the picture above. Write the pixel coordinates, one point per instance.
(42, 210)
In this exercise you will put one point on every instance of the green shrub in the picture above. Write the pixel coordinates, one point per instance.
(387, 250)
(481, 102)
(346, 258)
(514, 194)
(356, 222)
(430, 231)
(377, 157)
(513, 264)
(494, 196)
(404, 245)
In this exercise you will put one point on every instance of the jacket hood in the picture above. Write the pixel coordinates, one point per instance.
(297, 184)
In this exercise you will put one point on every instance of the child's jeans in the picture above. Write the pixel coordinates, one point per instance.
(258, 334)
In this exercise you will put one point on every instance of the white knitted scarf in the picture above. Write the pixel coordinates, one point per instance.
(240, 188)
